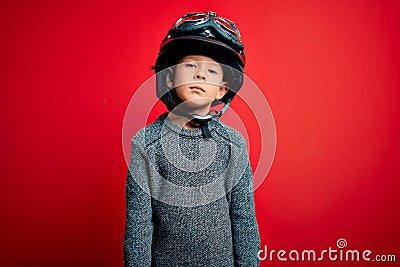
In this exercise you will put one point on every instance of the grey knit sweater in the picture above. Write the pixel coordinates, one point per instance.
(189, 199)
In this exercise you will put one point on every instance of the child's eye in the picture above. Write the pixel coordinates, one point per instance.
(212, 71)
(190, 65)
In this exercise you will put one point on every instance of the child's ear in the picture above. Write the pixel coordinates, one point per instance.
(169, 78)
(223, 89)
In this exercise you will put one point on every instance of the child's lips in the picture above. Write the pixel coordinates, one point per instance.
(196, 87)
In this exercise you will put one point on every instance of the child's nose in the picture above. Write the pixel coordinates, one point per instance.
(200, 74)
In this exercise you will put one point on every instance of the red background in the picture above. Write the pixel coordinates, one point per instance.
(329, 69)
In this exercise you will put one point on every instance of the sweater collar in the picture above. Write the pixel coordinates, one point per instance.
(186, 132)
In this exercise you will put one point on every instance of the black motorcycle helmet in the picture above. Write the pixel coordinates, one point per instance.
(202, 33)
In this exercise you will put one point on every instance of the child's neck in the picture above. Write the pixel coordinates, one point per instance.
(184, 122)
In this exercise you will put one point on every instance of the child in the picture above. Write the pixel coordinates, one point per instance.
(189, 186)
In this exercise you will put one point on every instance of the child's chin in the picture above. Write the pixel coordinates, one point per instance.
(196, 103)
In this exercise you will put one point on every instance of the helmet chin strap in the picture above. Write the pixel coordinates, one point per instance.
(203, 120)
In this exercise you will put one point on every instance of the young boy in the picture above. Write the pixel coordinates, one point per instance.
(189, 185)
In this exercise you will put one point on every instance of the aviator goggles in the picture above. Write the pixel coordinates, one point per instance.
(194, 19)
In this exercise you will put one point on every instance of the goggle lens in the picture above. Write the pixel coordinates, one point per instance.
(193, 17)
(229, 26)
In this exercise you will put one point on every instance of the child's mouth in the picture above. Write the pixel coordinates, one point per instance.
(195, 87)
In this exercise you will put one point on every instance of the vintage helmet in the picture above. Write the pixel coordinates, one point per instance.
(203, 33)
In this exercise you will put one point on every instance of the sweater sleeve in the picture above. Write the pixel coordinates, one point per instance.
(246, 239)
(139, 225)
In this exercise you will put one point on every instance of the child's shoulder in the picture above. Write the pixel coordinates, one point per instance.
(151, 132)
(230, 134)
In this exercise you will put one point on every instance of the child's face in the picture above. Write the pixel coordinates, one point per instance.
(198, 81)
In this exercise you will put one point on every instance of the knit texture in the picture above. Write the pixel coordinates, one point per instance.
(189, 199)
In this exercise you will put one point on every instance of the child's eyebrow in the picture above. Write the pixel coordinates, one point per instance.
(190, 59)
(214, 64)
